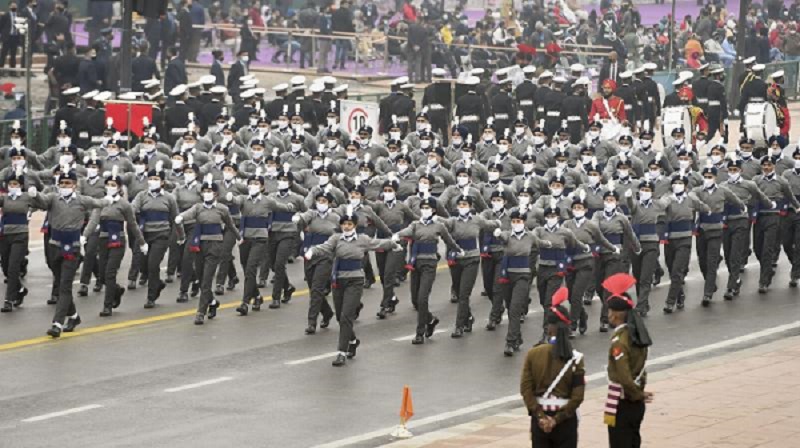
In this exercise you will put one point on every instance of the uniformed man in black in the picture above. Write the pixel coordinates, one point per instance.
(69, 111)
(525, 92)
(470, 109)
(177, 115)
(753, 90)
(628, 94)
(747, 73)
(717, 113)
(673, 99)
(405, 108)
(211, 110)
(437, 98)
(96, 121)
(494, 88)
(307, 109)
(503, 106)
(700, 87)
(542, 91)
(651, 101)
(386, 105)
(84, 139)
(275, 107)
(482, 88)
(574, 112)
(552, 106)
(320, 108)
(575, 73)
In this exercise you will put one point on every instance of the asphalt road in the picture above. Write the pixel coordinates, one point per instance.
(151, 377)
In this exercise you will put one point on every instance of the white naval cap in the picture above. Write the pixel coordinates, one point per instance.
(72, 91)
(546, 74)
(208, 80)
(178, 90)
(407, 85)
(583, 81)
(298, 80)
(248, 93)
(749, 60)
(130, 96)
(328, 80)
(218, 89)
(400, 81)
(477, 71)
(155, 95)
(260, 91)
(559, 80)
(626, 74)
(280, 87)
(759, 67)
(529, 69)
(439, 72)
(103, 96)
(471, 81)
(650, 66)
(577, 67)
(194, 85)
(246, 78)
(90, 95)
(317, 88)
(778, 74)
(340, 88)
(638, 70)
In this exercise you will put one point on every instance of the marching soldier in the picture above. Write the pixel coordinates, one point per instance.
(552, 106)
(650, 96)
(437, 99)
(717, 110)
(700, 87)
(503, 106)
(525, 93)
(754, 90)
(470, 109)
(627, 93)
(553, 382)
(574, 112)
(540, 95)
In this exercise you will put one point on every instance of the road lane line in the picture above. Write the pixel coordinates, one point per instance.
(666, 359)
(298, 362)
(40, 418)
(411, 336)
(221, 379)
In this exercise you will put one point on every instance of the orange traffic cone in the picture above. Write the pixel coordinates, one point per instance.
(406, 412)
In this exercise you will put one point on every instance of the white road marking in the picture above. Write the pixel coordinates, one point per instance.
(666, 359)
(40, 418)
(411, 336)
(298, 362)
(221, 379)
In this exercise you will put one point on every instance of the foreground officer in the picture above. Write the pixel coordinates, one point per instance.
(553, 383)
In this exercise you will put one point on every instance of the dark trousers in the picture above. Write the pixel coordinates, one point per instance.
(490, 267)
(515, 295)
(563, 435)
(13, 249)
(389, 265)
(63, 275)
(767, 245)
(175, 254)
(90, 265)
(579, 279)
(226, 265)
(138, 260)
(318, 277)
(547, 283)
(736, 244)
(625, 434)
(110, 258)
(190, 265)
(464, 273)
(157, 243)
(610, 264)
(708, 247)
(207, 261)
(251, 253)
(644, 268)
(280, 248)
(678, 252)
(791, 242)
(9, 49)
(346, 299)
(422, 278)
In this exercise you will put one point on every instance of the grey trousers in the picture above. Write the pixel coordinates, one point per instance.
(63, 275)
(735, 245)
(157, 243)
(421, 284)
(13, 249)
(251, 253)
(346, 299)
(767, 245)
(318, 277)
(515, 294)
(644, 268)
(90, 260)
(547, 283)
(280, 247)
(110, 258)
(207, 261)
(678, 252)
(464, 274)
(708, 247)
(579, 280)
(190, 265)
(138, 260)
(226, 265)
(389, 265)
(610, 264)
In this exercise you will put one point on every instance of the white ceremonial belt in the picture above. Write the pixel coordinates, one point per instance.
(402, 119)
(553, 113)
(756, 99)
(552, 401)
(702, 100)
(83, 134)
(469, 118)
(176, 131)
(628, 106)
(435, 107)
(526, 103)
(573, 118)
(501, 116)
(96, 138)
(714, 103)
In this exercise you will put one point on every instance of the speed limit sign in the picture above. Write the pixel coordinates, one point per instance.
(357, 114)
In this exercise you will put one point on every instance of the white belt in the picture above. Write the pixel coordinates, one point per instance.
(540, 109)
(702, 100)
(526, 103)
(176, 131)
(83, 134)
(402, 119)
(501, 116)
(551, 404)
(757, 99)
(628, 106)
(649, 98)
(96, 138)
(714, 103)
(469, 118)
(436, 107)
(553, 113)
(573, 118)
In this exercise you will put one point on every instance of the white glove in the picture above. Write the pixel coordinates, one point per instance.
(112, 198)
(106, 174)
(291, 207)
(586, 248)
(144, 248)
(229, 196)
(461, 253)
(773, 204)
(340, 176)
(178, 219)
(296, 219)
(83, 240)
(395, 237)
(397, 248)
(498, 232)
(628, 193)
(309, 253)
(637, 252)
(32, 192)
(617, 251)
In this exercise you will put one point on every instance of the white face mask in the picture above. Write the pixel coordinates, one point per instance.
(457, 141)
(91, 172)
(208, 196)
(519, 131)
(263, 132)
(524, 200)
(498, 205)
(402, 168)
(715, 159)
(462, 181)
(466, 155)
(177, 164)
(594, 180)
(556, 191)
(257, 154)
(298, 128)
(228, 176)
(283, 124)
(364, 176)
(708, 183)
(64, 141)
(355, 202)
(424, 144)
(678, 188)
(797, 163)
(625, 149)
(502, 149)
(775, 152)
(65, 159)
(645, 195)
(331, 122)
(138, 169)
(735, 176)
(332, 143)
(153, 185)
(518, 228)
(463, 211)
(349, 233)
(244, 58)
(538, 140)
(187, 147)
(684, 164)
(394, 135)
(579, 213)
(14, 191)
(433, 163)
(112, 152)
(65, 192)
(488, 138)
(645, 144)
(323, 180)
(253, 121)
(423, 187)
(623, 174)
(189, 177)
(19, 163)
(593, 134)
(561, 166)
(316, 164)
(388, 196)
(746, 154)
(322, 208)
(551, 222)
(493, 176)
(283, 185)
(254, 189)
(586, 159)
(527, 168)
(654, 174)
(112, 191)
(219, 158)
(426, 213)
(351, 155)
(16, 143)
(271, 170)
(610, 206)
(296, 147)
